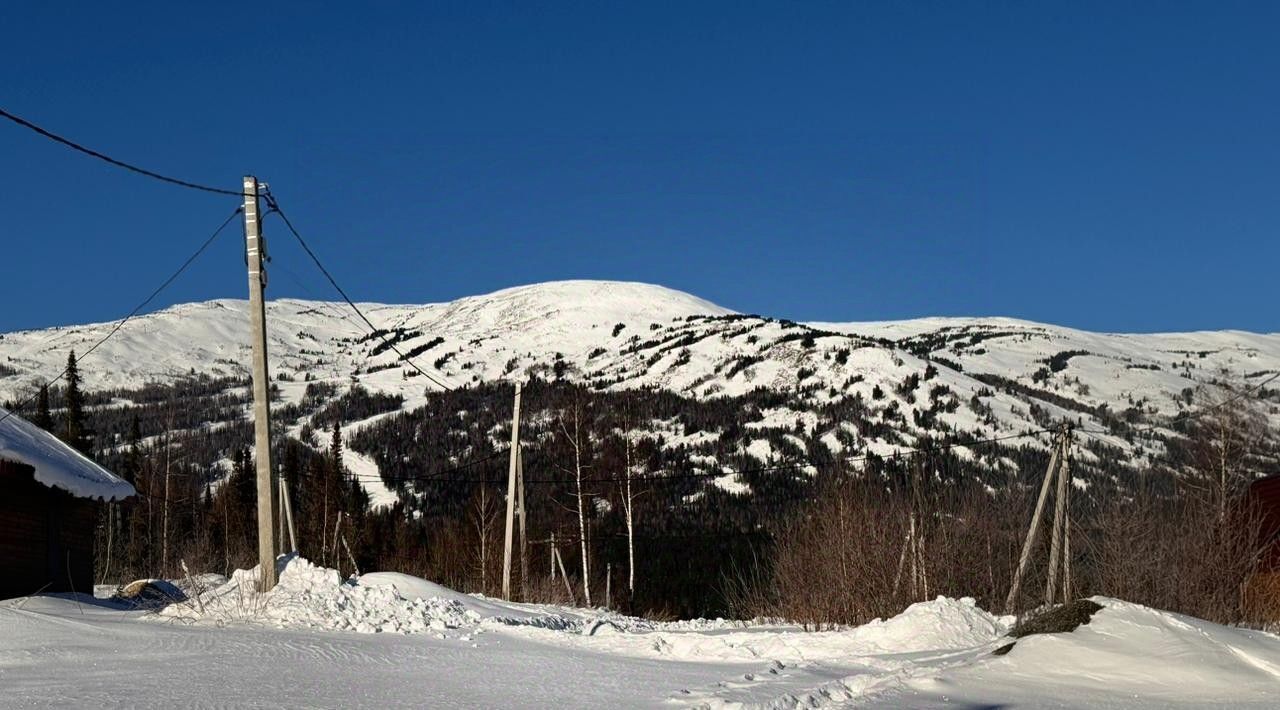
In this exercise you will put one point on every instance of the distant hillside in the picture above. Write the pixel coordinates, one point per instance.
(835, 389)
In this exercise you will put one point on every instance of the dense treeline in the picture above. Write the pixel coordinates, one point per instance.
(655, 502)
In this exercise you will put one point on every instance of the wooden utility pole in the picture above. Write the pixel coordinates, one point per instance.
(524, 541)
(1059, 549)
(164, 545)
(261, 385)
(512, 470)
(280, 514)
(288, 514)
(1058, 468)
(565, 576)
(911, 549)
(337, 526)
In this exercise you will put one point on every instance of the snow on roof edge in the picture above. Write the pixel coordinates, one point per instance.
(56, 464)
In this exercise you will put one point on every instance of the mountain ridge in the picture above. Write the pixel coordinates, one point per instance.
(954, 377)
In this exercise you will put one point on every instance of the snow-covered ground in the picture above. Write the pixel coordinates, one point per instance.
(389, 640)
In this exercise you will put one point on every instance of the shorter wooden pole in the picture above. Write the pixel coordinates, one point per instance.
(280, 515)
(1033, 532)
(288, 514)
(354, 566)
(336, 526)
(565, 576)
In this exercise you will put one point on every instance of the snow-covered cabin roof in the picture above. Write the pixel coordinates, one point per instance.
(56, 464)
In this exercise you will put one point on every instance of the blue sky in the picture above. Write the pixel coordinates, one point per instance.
(1110, 166)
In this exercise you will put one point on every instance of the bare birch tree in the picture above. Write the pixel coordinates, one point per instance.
(628, 511)
(574, 438)
(1220, 445)
(484, 512)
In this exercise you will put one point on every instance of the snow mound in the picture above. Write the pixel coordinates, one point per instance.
(312, 597)
(308, 596)
(1157, 654)
(941, 624)
(411, 588)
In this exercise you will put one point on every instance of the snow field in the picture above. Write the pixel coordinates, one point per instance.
(393, 640)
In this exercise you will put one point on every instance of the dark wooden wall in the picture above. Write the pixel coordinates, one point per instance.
(46, 536)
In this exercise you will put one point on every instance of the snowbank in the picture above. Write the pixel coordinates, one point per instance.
(311, 597)
(56, 464)
(1138, 651)
(942, 625)
(411, 588)
(307, 596)
(934, 654)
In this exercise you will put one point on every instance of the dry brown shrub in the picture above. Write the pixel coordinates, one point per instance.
(1178, 553)
(848, 557)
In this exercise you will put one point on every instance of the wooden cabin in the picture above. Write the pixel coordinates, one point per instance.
(49, 501)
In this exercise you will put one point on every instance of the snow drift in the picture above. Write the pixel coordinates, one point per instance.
(312, 597)
(308, 596)
(1132, 650)
(934, 654)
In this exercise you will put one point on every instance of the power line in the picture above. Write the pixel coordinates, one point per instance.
(118, 163)
(322, 303)
(136, 309)
(275, 207)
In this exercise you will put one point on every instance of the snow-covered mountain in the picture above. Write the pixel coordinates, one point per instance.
(967, 376)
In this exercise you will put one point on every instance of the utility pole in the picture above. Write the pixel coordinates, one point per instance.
(261, 386)
(164, 525)
(288, 514)
(1057, 467)
(1060, 544)
(280, 515)
(524, 541)
(568, 589)
(512, 470)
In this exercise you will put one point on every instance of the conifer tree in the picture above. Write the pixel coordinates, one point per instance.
(44, 419)
(335, 448)
(73, 418)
